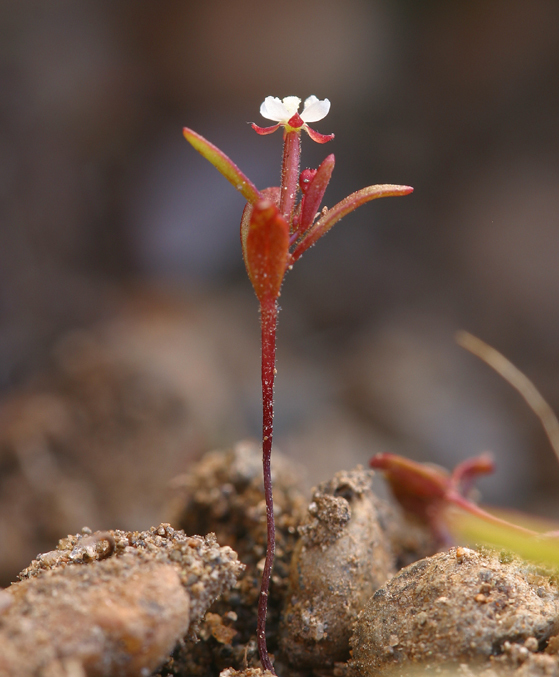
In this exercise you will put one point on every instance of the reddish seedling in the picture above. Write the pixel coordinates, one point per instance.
(429, 492)
(278, 225)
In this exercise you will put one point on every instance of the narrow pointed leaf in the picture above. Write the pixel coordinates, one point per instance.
(223, 164)
(272, 194)
(347, 205)
(315, 192)
(266, 250)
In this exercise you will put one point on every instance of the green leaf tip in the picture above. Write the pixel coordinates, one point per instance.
(223, 164)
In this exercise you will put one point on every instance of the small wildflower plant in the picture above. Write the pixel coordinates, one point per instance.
(441, 501)
(428, 491)
(278, 225)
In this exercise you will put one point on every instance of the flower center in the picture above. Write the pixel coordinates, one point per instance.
(296, 121)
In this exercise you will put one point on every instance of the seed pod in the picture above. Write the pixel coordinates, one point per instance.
(459, 606)
(343, 556)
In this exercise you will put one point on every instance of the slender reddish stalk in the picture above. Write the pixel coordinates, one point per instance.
(268, 320)
(474, 509)
(290, 174)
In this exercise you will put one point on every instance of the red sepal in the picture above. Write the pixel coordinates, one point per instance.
(316, 136)
(264, 130)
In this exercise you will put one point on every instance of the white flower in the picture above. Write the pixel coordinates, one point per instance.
(283, 110)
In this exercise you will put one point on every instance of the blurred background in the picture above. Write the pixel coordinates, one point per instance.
(129, 337)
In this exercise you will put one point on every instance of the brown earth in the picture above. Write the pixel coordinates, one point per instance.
(342, 603)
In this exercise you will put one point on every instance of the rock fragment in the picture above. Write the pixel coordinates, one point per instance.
(248, 672)
(342, 557)
(75, 609)
(460, 606)
(223, 493)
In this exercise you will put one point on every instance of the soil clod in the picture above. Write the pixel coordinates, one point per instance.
(80, 610)
(343, 556)
(460, 606)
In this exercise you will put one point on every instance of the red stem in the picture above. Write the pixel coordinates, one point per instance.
(268, 320)
(468, 506)
(290, 174)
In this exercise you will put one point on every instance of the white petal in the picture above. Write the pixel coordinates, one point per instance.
(274, 109)
(310, 100)
(292, 104)
(315, 110)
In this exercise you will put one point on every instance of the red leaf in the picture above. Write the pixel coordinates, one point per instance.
(415, 485)
(266, 250)
(466, 473)
(347, 205)
(314, 193)
(271, 194)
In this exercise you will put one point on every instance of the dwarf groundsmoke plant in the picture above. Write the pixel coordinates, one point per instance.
(278, 225)
(442, 500)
